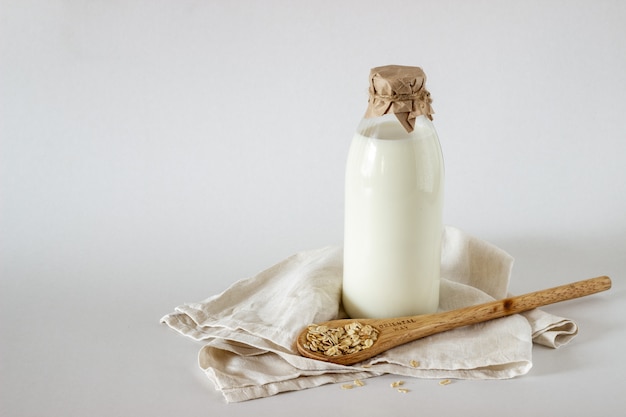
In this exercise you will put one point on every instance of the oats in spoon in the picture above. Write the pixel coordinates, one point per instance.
(336, 341)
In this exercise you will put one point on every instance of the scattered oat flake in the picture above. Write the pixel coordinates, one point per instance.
(347, 386)
(414, 364)
(403, 390)
(445, 382)
(396, 384)
(358, 383)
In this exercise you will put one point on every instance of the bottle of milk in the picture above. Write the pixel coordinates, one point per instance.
(393, 201)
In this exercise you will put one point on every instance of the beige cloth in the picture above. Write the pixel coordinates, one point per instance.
(250, 329)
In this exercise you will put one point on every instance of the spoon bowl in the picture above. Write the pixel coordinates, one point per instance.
(392, 332)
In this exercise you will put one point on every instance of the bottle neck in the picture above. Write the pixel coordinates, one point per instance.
(388, 127)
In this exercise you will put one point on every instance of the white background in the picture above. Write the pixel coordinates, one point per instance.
(154, 152)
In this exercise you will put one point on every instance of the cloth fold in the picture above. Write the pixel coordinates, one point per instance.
(250, 329)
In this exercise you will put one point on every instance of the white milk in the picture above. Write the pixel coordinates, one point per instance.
(393, 224)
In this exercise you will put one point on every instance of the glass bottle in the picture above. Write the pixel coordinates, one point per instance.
(393, 201)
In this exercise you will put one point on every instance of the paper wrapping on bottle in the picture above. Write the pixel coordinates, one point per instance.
(399, 90)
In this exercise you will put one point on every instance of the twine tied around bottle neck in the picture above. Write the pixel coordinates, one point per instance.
(399, 90)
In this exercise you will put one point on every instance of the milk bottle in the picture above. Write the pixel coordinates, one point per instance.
(393, 201)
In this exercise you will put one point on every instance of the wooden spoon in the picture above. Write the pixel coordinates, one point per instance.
(398, 331)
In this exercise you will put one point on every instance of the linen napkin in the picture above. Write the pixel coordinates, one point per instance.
(250, 329)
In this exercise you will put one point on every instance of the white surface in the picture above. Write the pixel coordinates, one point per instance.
(153, 153)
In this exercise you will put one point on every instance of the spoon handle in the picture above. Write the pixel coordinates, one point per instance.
(448, 320)
(397, 331)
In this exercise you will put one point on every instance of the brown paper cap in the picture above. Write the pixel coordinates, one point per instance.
(399, 90)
